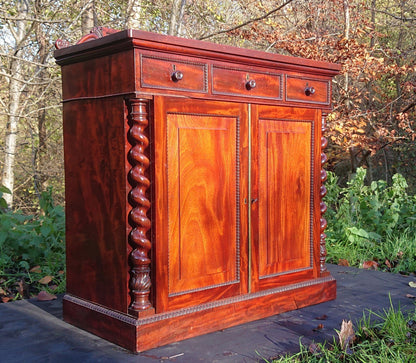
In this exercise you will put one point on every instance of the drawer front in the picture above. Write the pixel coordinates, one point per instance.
(309, 90)
(228, 81)
(173, 74)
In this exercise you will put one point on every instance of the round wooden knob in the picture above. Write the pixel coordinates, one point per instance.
(177, 76)
(309, 91)
(251, 84)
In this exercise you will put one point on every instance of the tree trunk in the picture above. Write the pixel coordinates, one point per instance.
(176, 17)
(15, 91)
(40, 151)
(373, 21)
(347, 37)
(134, 11)
(88, 16)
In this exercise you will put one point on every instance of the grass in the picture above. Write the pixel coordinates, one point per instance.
(370, 223)
(386, 337)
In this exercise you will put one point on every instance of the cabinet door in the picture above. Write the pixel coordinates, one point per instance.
(285, 167)
(198, 151)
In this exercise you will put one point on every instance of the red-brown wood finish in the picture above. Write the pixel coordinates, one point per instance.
(194, 185)
(200, 231)
(94, 154)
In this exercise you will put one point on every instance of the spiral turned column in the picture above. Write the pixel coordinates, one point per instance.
(323, 207)
(139, 261)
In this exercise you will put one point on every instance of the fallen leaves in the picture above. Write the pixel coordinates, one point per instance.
(343, 262)
(346, 335)
(33, 287)
(45, 280)
(46, 296)
(412, 284)
(319, 327)
(370, 265)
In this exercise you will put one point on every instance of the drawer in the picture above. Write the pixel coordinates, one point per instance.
(309, 90)
(229, 81)
(165, 73)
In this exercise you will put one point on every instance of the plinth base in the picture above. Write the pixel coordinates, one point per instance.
(142, 334)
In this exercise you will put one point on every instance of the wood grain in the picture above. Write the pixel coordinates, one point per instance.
(202, 182)
(194, 201)
(95, 208)
(175, 326)
(283, 180)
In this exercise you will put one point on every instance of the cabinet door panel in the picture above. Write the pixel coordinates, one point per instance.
(200, 224)
(283, 219)
(202, 203)
(284, 195)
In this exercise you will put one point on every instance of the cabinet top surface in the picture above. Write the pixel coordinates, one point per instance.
(97, 46)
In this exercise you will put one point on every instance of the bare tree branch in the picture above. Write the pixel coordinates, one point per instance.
(247, 22)
(395, 16)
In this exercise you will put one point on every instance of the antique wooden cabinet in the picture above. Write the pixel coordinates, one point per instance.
(194, 185)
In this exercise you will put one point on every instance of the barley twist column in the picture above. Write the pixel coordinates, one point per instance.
(139, 260)
(323, 207)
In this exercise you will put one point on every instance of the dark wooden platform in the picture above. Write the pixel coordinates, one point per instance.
(32, 331)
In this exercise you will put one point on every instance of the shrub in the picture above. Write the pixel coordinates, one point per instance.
(32, 249)
(373, 222)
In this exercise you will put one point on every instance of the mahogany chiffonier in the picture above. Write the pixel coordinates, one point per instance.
(194, 185)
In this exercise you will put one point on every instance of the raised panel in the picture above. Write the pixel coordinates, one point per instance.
(202, 203)
(284, 179)
(200, 229)
(285, 215)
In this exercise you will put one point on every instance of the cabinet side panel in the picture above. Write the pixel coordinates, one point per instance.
(98, 77)
(95, 201)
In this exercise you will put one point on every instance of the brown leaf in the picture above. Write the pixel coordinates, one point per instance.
(346, 334)
(314, 349)
(45, 296)
(6, 299)
(410, 296)
(388, 264)
(319, 327)
(35, 269)
(323, 317)
(2, 292)
(368, 265)
(343, 262)
(22, 289)
(45, 280)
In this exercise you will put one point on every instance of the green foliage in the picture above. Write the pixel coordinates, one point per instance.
(3, 203)
(373, 222)
(32, 247)
(386, 337)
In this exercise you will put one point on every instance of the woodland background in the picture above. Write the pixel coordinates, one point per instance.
(372, 124)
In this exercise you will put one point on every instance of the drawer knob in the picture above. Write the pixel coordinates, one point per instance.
(177, 76)
(251, 84)
(309, 90)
